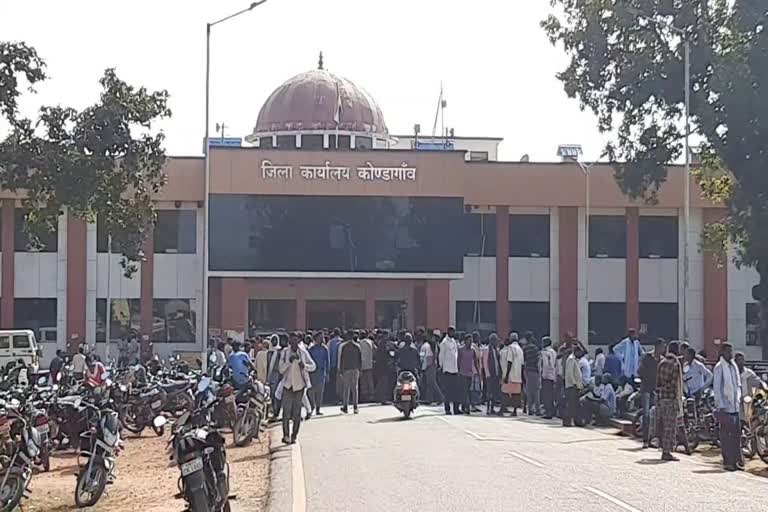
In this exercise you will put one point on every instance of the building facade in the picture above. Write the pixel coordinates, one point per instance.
(331, 221)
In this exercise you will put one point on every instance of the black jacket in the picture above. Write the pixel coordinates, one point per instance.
(408, 359)
(350, 357)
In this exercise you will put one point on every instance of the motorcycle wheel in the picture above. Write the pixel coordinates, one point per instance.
(761, 444)
(13, 491)
(748, 443)
(243, 431)
(198, 501)
(99, 478)
(45, 458)
(130, 423)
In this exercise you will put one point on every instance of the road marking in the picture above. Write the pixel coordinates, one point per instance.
(299, 487)
(469, 432)
(526, 459)
(615, 501)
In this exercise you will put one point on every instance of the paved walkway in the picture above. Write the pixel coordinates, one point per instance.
(376, 461)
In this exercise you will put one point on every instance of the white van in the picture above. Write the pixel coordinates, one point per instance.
(19, 344)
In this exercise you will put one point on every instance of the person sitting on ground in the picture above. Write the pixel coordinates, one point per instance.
(600, 403)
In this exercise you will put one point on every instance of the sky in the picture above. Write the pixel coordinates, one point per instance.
(494, 60)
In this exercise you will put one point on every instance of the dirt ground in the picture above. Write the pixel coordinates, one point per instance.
(146, 481)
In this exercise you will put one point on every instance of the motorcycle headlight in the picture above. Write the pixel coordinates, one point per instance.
(110, 437)
(32, 448)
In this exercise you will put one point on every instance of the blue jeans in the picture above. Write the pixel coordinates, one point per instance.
(648, 398)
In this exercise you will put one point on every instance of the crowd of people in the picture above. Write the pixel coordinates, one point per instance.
(467, 374)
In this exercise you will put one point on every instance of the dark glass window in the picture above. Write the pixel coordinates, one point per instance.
(102, 237)
(363, 143)
(328, 314)
(658, 320)
(126, 319)
(476, 316)
(345, 142)
(753, 324)
(607, 322)
(607, 236)
(312, 142)
(286, 142)
(38, 315)
(480, 234)
(390, 314)
(335, 234)
(49, 242)
(176, 231)
(266, 316)
(529, 236)
(529, 316)
(658, 237)
(174, 320)
(265, 142)
(478, 156)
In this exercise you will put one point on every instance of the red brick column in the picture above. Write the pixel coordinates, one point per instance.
(301, 307)
(234, 304)
(77, 287)
(8, 264)
(502, 271)
(147, 295)
(633, 268)
(370, 304)
(438, 301)
(715, 293)
(568, 269)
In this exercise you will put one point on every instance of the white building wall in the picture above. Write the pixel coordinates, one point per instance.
(110, 273)
(740, 283)
(490, 146)
(479, 281)
(61, 292)
(658, 280)
(36, 275)
(529, 279)
(607, 280)
(91, 283)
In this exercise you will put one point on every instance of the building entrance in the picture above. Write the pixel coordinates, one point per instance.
(327, 314)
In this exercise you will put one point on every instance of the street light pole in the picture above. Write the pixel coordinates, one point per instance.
(206, 151)
(587, 170)
(687, 182)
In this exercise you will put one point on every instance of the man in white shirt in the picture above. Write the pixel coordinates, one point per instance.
(727, 388)
(548, 370)
(295, 366)
(449, 365)
(366, 369)
(79, 364)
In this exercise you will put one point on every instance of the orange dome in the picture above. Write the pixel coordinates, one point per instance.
(309, 101)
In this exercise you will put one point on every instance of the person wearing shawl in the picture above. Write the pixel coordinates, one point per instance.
(727, 388)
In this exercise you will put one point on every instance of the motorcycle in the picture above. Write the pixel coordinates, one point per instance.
(141, 409)
(201, 457)
(18, 461)
(225, 411)
(251, 410)
(406, 395)
(100, 445)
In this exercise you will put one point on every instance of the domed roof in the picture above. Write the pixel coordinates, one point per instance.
(309, 101)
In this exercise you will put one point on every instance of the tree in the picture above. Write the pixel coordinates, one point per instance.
(627, 66)
(103, 162)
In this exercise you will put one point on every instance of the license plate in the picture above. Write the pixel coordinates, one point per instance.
(405, 398)
(230, 399)
(192, 466)
(156, 404)
(43, 429)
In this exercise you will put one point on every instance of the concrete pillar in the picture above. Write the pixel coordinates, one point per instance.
(438, 302)
(502, 271)
(77, 280)
(568, 269)
(8, 263)
(715, 294)
(633, 268)
(146, 300)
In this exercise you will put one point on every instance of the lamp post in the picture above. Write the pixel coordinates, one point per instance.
(687, 183)
(587, 170)
(206, 150)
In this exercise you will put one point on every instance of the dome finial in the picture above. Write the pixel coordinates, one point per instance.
(320, 61)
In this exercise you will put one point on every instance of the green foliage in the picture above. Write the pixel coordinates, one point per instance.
(104, 161)
(627, 66)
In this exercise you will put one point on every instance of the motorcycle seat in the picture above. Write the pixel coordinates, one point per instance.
(172, 387)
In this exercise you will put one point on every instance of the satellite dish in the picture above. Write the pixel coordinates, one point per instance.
(525, 158)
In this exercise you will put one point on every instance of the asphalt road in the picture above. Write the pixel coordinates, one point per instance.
(376, 461)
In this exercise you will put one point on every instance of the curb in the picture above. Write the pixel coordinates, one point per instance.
(280, 497)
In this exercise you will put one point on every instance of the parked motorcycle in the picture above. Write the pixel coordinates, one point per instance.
(406, 395)
(141, 409)
(251, 411)
(198, 450)
(17, 463)
(100, 444)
